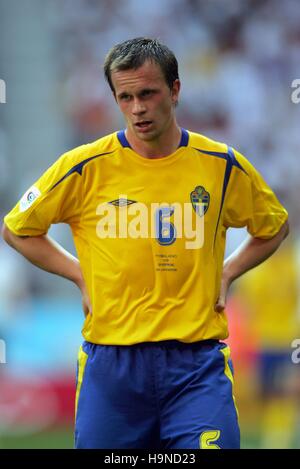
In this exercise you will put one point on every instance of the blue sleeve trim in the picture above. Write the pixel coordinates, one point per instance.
(234, 160)
(231, 161)
(78, 168)
(226, 156)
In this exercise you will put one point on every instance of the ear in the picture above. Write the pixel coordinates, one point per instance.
(175, 91)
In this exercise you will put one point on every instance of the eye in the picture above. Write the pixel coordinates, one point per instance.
(125, 97)
(147, 92)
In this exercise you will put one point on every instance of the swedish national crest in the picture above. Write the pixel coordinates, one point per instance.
(200, 199)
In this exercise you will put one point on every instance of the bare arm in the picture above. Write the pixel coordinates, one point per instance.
(48, 255)
(252, 252)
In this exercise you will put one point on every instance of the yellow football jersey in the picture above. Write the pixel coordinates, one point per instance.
(150, 233)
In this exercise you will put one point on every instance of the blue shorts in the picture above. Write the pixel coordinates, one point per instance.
(156, 395)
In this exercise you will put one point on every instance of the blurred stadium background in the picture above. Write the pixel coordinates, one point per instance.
(237, 62)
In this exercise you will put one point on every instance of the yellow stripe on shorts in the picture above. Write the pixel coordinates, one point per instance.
(227, 371)
(82, 358)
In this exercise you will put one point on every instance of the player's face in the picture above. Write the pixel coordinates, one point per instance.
(146, 101)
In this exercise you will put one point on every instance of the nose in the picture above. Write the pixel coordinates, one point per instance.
(138, 107)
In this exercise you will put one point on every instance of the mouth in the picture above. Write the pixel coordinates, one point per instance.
(143, 125)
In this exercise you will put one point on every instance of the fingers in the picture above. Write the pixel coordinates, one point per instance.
(86, 306)
(86, 303)
(220, 305)
(221, 301)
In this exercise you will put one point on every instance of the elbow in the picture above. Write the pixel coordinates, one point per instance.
(286, 228)
(5, 232)
(12, 239)
(7, 235)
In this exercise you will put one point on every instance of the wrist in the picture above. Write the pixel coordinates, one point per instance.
(228, 275)
(79, 282)
(78, 277)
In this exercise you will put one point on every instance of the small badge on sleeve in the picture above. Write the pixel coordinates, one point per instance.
(28, 198)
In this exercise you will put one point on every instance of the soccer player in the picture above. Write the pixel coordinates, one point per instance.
(149, 207)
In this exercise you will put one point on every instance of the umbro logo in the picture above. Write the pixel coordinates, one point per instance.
(122, 202)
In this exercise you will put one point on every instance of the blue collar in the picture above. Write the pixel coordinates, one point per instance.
(125, 144)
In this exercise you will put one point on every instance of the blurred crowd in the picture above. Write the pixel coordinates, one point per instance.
(237, 61)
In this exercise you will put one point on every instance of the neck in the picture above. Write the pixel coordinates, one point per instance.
(164, 145)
